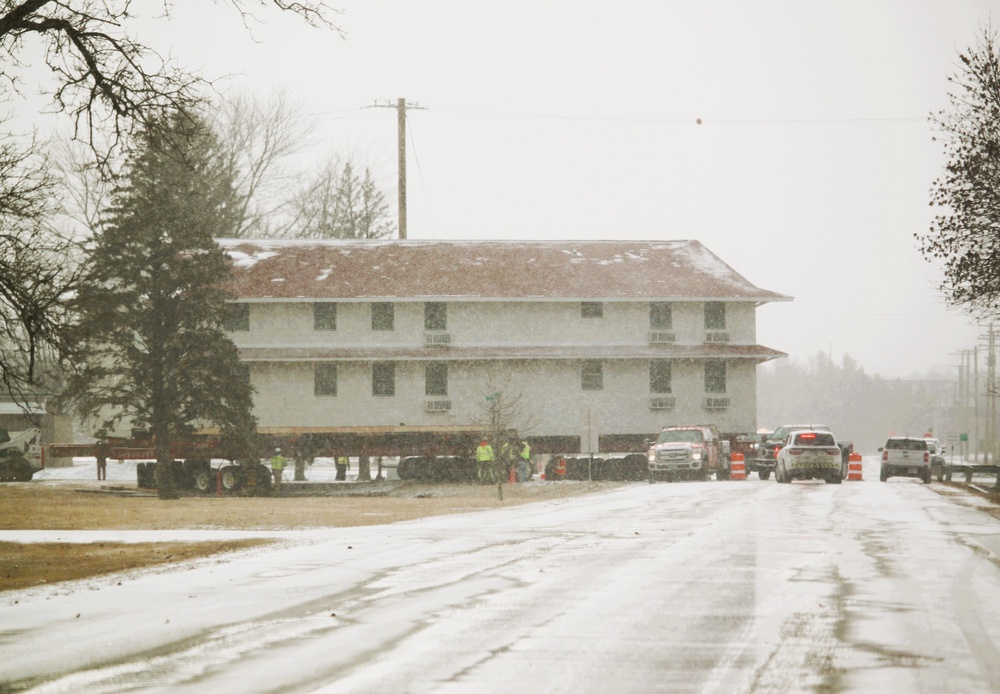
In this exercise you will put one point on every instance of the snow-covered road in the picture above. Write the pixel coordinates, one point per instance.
(690, 587)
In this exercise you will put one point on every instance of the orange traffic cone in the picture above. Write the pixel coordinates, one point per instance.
(512, 477)
(561, 468)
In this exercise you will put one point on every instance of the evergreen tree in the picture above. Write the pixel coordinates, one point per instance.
(156, 350)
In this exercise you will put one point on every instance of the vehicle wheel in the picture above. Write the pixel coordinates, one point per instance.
(834, 479)
(927, 477)
(940, 474)
(764, 474)
(230, 478)
(204, 480)
(651, 479)
(883, 474)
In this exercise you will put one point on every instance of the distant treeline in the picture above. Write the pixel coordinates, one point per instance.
(858, 407)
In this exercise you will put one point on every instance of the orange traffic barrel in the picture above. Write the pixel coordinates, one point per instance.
(854, 467)
(737, 468)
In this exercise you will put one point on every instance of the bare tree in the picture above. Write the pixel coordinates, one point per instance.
(505, 419)
(338, 204)
(106, 78)
(964, 233)
(258, 138)
(39, 278)
(109, 82)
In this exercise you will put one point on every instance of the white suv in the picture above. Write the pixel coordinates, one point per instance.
(905, 456)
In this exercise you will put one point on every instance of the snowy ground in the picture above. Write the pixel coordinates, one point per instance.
(694, 587)
(322, 470)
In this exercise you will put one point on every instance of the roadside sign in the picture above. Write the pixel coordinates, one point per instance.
(963, 437)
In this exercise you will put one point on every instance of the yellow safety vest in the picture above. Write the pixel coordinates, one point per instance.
(526, 451)
(484, 453)
(278, 462)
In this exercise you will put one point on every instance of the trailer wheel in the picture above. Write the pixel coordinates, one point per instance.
(764, 474)
(230, 478)
(203, 481)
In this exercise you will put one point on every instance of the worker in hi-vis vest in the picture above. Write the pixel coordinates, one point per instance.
(524, 471)
(277, 469)
(484, 461)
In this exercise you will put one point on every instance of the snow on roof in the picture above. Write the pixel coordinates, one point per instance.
(309, 270)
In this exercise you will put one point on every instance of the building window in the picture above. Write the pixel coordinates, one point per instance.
(436, 378)
(660, 376)
(591, 309)
(715, 315)
(384, 379)
(715, 376)
(592, 375)
(325, 380)
(383, 316)
(236, 318)
(435, 315)
(661, 316)
(325, 316)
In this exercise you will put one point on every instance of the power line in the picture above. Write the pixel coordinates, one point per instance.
(888, 120)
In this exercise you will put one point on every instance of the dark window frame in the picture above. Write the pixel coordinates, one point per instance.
(436, 379)
(325, 380)
(435, 315)
(236, 317)
(325, 315)
(657, 311)
(592, 375)
(383, 316)
(384, 383)
(715, 315)
(661, 377)
(715, 376)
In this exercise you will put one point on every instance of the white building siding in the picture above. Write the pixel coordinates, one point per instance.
(488, 324)
(551, 395)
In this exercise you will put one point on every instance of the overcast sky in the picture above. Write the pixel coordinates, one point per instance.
(809, 173)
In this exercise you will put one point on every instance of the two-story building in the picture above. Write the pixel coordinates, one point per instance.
(608, 339)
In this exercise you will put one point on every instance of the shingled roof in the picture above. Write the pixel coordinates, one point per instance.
(484, 270)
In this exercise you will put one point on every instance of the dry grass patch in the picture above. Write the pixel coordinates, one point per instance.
(26, 565)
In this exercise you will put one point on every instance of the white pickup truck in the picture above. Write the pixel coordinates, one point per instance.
(694, 451)
(906, 456)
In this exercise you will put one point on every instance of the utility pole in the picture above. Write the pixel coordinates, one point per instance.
(400, 107)
(991, 404)
(975, 399)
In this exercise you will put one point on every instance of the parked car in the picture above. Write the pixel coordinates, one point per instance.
(808, 455)
(767, 452)
(906, 456)
(936, 450)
